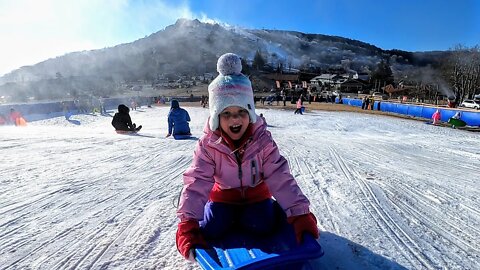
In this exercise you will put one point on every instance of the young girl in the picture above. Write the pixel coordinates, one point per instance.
(436, 117)
(236, 169)
(122, 122)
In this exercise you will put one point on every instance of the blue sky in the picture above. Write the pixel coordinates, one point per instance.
(35, 30)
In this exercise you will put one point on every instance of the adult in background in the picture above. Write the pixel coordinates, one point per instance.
(122, 121)
(178, 119)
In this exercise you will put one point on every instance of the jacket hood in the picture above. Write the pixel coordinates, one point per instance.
(123, 109)
(175, 104)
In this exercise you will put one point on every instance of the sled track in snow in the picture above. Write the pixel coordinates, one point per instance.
(447, 219)
(84, 197)
(66, 250)
(443, 229)
(311, 179)
(384, 221)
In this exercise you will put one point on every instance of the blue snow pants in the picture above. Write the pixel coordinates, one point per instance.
(256, 218)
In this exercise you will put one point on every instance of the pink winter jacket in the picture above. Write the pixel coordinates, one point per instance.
(299, 103)
(214, 162)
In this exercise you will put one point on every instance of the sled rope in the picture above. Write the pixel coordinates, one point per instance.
(177, 201)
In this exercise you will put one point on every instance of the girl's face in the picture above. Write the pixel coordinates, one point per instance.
(234, 121)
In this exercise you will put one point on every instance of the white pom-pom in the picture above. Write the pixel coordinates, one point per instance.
(229, 64)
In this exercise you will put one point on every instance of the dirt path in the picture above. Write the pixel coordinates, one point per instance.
(202, 90)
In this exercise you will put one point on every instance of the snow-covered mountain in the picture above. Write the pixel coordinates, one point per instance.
(192, 47)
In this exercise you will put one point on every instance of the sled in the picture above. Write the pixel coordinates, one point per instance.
(20, 121)
(239, 250)
(68, 115)
(456, 122)
(119, 131)
(125, 132)
(182, 136)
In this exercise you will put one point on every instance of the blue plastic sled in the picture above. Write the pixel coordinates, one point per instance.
(242, 251)
(182, 137)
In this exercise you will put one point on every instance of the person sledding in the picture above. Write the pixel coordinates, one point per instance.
(456, 121)
(436, 117)
(178, 119)
(16, 118)
(236, 169)
(122, 122)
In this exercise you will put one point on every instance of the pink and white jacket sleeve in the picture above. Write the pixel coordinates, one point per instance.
(198, 182)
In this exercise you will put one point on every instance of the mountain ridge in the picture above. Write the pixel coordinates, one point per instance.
(191, 48)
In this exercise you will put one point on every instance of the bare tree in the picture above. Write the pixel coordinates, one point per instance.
(462, 69)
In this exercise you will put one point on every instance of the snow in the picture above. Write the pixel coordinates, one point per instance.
(388, 193)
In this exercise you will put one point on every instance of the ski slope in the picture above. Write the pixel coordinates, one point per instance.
(388, 193)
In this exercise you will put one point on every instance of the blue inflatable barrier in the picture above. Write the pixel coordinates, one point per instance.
(386, 107)
(471, 118)
(415, 111)
(427, 112)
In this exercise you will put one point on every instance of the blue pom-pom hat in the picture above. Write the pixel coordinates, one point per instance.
(230, 88)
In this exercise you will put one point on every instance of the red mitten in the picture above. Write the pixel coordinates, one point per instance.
(304, 223)
(189, 236)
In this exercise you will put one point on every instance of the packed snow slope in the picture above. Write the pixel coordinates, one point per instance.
(388, 193)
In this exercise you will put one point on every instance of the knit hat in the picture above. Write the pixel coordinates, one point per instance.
(230, 88)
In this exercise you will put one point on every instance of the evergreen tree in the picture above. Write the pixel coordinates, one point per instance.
(245, 67)
(383, 74)
(258, 61)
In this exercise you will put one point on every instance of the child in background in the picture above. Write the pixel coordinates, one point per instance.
(299, 106)
(178, 119)
(436, 117)
(16, 118)
(236, 170)
(122, 122)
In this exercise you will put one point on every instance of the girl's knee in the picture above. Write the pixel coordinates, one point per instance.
(217, 220)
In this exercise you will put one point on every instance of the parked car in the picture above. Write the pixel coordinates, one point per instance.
(379, 95)
(468, 103)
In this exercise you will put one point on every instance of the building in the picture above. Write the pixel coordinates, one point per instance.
(354, 86)
(331, 81)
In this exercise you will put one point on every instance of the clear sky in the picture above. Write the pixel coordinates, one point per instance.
(35, 30)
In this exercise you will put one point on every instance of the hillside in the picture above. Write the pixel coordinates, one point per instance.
(190, 48)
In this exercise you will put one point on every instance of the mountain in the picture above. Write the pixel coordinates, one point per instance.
(191, 48)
